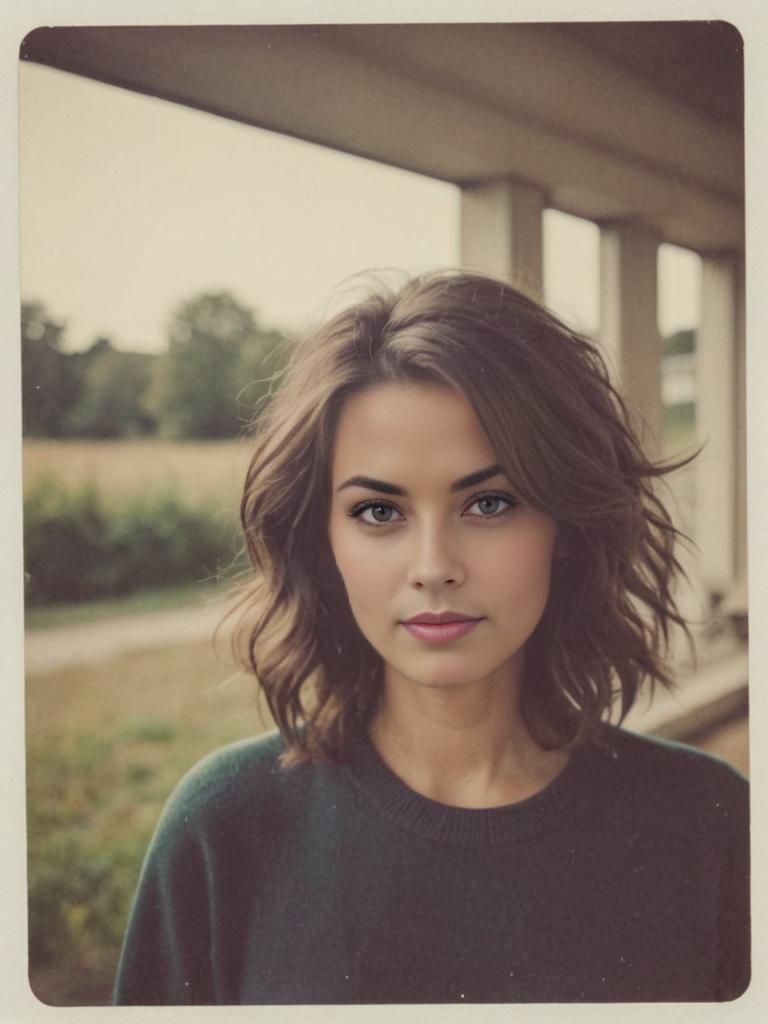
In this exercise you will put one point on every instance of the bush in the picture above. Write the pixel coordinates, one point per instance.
(65, 536)
(78, 547)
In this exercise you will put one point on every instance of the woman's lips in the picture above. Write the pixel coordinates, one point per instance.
(440, 628)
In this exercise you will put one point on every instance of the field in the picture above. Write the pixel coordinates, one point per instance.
(200, 469)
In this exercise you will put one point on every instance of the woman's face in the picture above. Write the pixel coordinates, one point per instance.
(447, 573)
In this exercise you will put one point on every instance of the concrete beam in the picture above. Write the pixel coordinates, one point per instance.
(598, 139)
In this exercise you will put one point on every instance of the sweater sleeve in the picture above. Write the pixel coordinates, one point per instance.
(166, 958)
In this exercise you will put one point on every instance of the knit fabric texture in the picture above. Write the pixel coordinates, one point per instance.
(625, 879)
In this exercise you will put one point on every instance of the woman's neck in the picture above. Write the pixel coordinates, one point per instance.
(463, 746)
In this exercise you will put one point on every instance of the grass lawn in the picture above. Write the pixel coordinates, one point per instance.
(106, 744)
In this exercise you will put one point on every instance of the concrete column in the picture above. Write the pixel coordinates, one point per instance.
(502, 233)
(629, 323)
(720, 523)
(741, 552)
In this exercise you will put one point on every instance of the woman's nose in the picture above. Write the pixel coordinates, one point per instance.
(435, 562)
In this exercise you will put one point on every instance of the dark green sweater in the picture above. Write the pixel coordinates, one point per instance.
(626, 879)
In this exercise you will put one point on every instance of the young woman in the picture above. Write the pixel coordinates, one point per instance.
(462, 568)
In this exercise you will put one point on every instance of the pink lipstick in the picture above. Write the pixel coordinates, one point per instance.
(440, 627)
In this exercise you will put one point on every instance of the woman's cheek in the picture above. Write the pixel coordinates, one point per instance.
(361, 569)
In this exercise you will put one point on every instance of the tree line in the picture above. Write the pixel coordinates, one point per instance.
(207, 384)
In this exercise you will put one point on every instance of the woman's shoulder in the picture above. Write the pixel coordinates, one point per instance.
(242, 778)
(654, 753)
(674, 776)
(225, 765)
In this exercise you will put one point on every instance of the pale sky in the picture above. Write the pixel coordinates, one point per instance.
(131, 204)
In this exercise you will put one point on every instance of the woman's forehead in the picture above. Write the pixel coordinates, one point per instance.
(409, 430)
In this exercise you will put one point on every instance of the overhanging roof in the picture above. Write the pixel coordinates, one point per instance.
(610, 120)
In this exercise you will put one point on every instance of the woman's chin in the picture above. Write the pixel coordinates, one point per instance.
(447, 676)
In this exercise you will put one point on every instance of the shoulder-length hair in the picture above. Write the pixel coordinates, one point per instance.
(562, 435)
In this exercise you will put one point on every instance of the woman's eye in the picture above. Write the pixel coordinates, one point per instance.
(490, 505)
(377, 514)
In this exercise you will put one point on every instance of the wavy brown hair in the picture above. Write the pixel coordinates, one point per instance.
(562, 435)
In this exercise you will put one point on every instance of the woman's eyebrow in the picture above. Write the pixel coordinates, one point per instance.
(371, 484)
(477, 478)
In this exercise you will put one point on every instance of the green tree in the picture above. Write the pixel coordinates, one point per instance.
(262, 358)
(114, 386)
(50, 383)
(203, 382)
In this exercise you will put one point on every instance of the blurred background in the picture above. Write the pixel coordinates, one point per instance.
(193, 197)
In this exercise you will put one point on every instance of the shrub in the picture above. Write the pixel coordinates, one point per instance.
(79, 547)
(65, 536)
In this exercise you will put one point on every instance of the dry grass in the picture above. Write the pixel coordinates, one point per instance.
(190, 686)
(201, 470)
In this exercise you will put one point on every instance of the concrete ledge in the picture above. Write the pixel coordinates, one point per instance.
(702, 700)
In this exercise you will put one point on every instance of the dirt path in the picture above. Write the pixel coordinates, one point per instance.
(54, 647)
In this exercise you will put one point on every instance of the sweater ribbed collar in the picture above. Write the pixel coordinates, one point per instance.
(567, 795)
